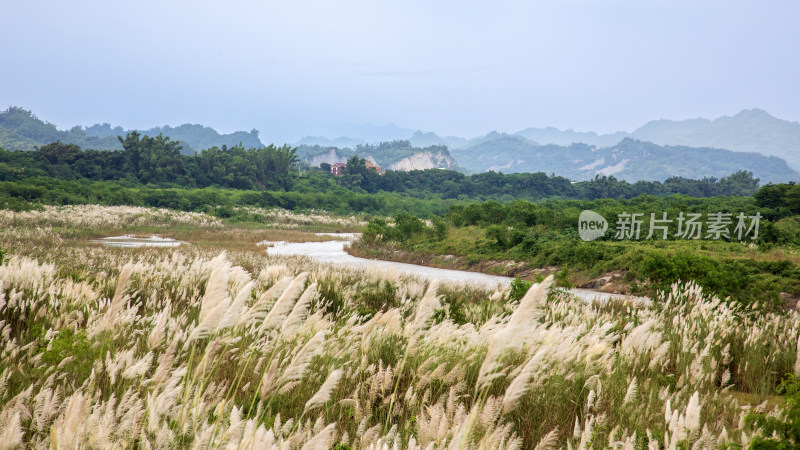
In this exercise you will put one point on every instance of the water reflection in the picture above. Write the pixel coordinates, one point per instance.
(128, 241)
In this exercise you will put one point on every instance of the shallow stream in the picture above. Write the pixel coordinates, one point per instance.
(333, 252)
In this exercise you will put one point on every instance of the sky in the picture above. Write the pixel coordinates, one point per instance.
(291, 69)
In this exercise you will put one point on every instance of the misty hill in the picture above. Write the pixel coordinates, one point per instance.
(631, 160)
(352, 135)
(375, 133)
(751, 130)
(340, 142)
(20, 129)
(552, 135)
(194, 138)
(689, 148)
(394, 155)
(421, 139)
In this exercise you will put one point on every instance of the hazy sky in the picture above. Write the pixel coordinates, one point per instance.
(311, 67)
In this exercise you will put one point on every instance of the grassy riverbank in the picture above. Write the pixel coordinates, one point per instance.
(188, 346)
(525, 239)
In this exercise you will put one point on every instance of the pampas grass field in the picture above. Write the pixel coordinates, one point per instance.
(203, 346)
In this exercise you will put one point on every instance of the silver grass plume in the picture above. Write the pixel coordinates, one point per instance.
(258, 311)
(157, 333)
(215, 302)
(4, 375)
(427, 306)
(668, 411)
(216, 289)
(322, 440)
(11, 433)
(269, 377)
(139, 368)
(527, 311)
(588, 434)
(165, 363)
(521, 383)
(300, 310)
(257, 439)
(632, 392)
(549, 441)
(325, 391)
(118, 301)
(522, 320)
(284, 304)
(693, 413)
(461, 434)
(232, 314)
(302, 360)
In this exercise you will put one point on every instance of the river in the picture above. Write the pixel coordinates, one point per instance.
(332, 252)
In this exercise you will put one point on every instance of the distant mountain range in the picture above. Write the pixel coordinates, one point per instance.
(20, 129)
(751, 130)
(751, 140)
(631, 160)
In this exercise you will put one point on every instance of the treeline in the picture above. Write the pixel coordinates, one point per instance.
(522, 225)
(535, 186)
(30, 192)
(151, 171)
(157, 160)
(517, 219)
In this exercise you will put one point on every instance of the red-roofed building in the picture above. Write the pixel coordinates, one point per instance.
(338, 169)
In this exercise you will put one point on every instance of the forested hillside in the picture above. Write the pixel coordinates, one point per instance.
(20, 129)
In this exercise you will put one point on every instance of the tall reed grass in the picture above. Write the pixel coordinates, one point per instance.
(182, 347)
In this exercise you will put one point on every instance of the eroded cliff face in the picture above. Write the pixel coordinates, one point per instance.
(424, 160)
(418, 161)
(332, 157)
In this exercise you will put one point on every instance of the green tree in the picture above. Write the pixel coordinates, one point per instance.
(772, 195)
(792, 198)
(59, 153)
(275, 166)
(407, 225)
(156, 160)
